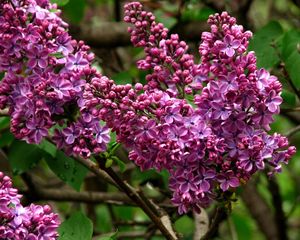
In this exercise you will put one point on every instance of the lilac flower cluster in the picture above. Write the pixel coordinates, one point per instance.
(205, 123)
(218, 140)
(173, 68)
(18, 223)
(45, 71)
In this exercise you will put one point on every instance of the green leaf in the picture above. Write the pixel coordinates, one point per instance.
(108, 162)
(1, 75)
(291, 55)
(262, 43)
(168, 21)
(75, 10)
(289, 98)
(57, 55)
(122, 78)
(4, 122)
(23, 156)
(185, 225)
(112, 236)
(289, 43)
(103, 219)
(195, 14)
(48, 147)
(67, 169)
(242, 225)
(120, 163)
(6, 138)
(60, 2)
(77, 227)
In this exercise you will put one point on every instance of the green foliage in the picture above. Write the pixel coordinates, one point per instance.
(103, 221)
(74, 10)
(291, 55)
(77, 227)
(4, 122)
(48, 148)
(264, 42)
(1, 75)
(185, 225)
(242, 225)
(60, 2)
(67, 169)
(289, 98)
(122, 78)
(195, 14)
(6, 138)
(168, 21)
(5, 134)
(23, 156)
(112, 236)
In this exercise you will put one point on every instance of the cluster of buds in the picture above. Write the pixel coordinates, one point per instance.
(17, 222)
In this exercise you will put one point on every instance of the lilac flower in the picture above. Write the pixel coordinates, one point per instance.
(62, 87)
(76, 61)
(186, 182)
(103, 135)
(228, 180)
(19, 222)
(273, 101)
(204, 180)
(230, 45)
(262, 78)
(262, 117)
(38, 130)
(147, 131)
(71, 133)
(173, 114)
(64, 44)
(37, 57)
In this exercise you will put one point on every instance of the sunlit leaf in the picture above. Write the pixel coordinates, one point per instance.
(60, 2)
(77, 227)
(23, 156)
(264, 44)
(74, 10)
(67, 169)
(291, 55)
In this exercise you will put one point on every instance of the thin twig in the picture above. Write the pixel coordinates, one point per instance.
(134, 196)
(293, 131)
(280, 218)
(69, 195)
(260, 211)
(288, 110)
(219, 215)
(93, 167)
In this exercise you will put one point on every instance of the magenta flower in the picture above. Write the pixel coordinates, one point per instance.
(228, 180)
(230, 45)
(38, 56)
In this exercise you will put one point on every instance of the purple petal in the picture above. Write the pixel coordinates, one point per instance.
(229, 52)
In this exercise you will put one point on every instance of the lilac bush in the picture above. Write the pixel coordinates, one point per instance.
(46, 71)
(205, 123)
(17, 222)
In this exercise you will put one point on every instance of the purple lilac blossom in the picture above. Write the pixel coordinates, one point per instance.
(45, 77)
(18, 222)
(209, 144)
